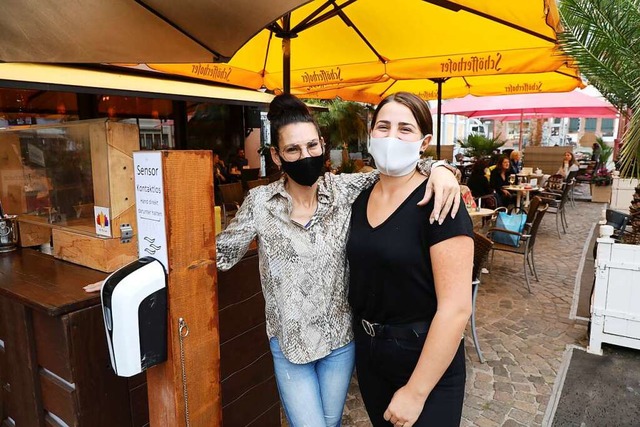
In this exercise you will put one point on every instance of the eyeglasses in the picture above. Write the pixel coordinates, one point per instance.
(293, 152)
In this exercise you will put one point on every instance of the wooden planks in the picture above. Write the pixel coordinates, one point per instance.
(34, 234)
(192, 295)
(102, 254)
(249, 391)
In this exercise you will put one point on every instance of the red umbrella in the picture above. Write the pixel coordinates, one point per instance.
(567, 104)
(539, 105)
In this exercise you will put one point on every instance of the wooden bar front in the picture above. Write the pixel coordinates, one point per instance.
(52, 336)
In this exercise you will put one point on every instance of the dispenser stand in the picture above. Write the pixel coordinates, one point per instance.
(187, 191)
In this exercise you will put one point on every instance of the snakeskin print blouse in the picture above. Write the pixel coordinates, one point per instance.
(303, 269)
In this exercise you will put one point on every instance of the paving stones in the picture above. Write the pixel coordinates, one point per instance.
(523, 336)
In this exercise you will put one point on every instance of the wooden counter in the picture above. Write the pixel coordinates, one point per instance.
(54, 362)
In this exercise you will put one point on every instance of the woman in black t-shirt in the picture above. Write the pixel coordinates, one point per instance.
(410, 281)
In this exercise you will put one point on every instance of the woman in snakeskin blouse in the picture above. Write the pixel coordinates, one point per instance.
(302, 223)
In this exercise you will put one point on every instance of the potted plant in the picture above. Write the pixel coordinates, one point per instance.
(344, 127)
(480, 146)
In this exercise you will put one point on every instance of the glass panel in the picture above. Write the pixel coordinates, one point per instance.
(574, 125)
(606, 127)
(590, 125)
(45, 172)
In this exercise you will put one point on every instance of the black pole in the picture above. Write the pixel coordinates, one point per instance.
(179, 116)
(439, 81)
(87, 106)
(286, 55)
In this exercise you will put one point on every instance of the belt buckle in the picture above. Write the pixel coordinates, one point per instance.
(368, 328)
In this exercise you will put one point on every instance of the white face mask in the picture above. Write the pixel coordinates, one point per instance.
(393, 156)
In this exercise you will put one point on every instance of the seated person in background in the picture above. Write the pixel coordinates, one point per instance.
(515, 163)
(478, 182)
(595, 154)
(500, 178)
(568, 165)
(220, 176)
(239, 161)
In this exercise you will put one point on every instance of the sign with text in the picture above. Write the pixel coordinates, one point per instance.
(152, 235)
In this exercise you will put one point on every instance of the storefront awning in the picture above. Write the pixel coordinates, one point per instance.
(62, 78)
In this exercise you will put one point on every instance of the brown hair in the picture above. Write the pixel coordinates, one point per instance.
(417, 105)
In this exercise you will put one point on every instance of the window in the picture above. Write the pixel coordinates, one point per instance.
(574, 125)
(590, 125)
(606, 127)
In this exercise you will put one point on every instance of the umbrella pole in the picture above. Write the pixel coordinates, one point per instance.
(520, 139)
(286, 54)
(439, 81)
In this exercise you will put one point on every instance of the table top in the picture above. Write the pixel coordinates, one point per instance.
(482, 212)
(525, 175)
(45, 283)
(518, 188)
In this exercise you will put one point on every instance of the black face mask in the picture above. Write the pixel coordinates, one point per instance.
(304, 171)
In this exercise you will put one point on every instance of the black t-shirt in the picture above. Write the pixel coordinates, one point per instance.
(391, 279)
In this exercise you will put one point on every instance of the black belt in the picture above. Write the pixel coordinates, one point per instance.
(406, 331)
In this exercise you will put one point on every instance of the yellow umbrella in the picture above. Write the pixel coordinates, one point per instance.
(345, 42)
(564, 79)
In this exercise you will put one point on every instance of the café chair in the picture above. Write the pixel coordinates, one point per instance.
(557, 206)
(618, 221)
(526, 239)
(231, 196)
(257, 182)
(248, 174)
(481, 248)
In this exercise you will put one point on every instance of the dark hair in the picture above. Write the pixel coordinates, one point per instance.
(478, 167)
(417, 105)
(501, 160)
(286, 109)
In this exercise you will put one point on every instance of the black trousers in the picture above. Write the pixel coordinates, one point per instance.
(384, 365)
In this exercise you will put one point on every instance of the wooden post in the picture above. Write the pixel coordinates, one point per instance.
(187, 178)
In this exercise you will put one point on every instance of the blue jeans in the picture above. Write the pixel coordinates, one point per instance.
(313, 394)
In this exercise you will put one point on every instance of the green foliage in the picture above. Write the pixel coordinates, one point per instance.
(605, 152)
(344, 124)
(602, 36)
(480, 146)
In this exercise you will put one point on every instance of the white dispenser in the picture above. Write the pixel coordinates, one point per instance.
(134, 305)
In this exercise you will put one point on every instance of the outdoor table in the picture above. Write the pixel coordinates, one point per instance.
(479, 213)
(482, 212)
(519, 190)
(530, 176)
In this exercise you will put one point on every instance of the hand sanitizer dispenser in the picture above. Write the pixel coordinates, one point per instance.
(134, 305)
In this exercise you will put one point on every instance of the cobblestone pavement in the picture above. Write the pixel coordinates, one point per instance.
(522, 336)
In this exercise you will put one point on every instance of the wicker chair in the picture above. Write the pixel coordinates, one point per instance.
(527, 238)
(257, 182)
(481, 248)
(232, 196)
